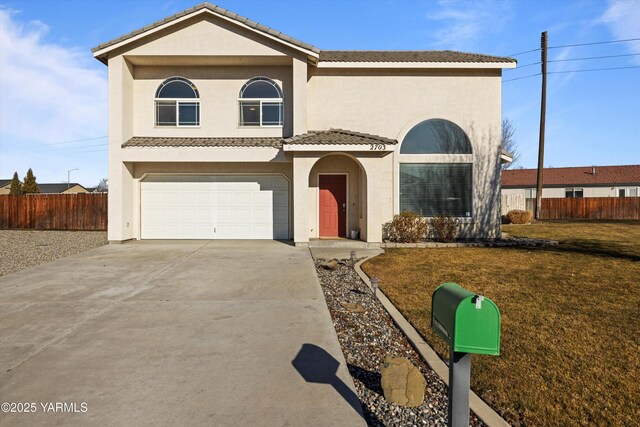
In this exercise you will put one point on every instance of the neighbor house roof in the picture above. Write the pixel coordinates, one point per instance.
(143, 141)
(408, 56)
(56, 187)
(216, 10)
(583, 175)
(326, 56)
(4, 182)
(338, 137)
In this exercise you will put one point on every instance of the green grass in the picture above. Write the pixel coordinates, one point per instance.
(570, 350)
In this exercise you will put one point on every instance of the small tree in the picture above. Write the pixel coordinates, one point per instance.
(16, 187)
(508, 143)
(30, 185)
(103, 185)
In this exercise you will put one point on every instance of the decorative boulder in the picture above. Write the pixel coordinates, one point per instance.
(402, 382)
(353, 307)
(332, 264)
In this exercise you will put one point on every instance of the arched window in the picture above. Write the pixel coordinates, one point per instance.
(436, 188)
(177, 103)
(436, 136)
(260, 103)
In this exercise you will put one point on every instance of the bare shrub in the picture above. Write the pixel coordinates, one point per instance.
(408, 227)
(517, 216)
(445, 228)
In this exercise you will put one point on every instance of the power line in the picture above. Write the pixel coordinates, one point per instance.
(593, 69)
(525, 66)
(593, 57)
(594, 43)
(578, 44)
(526, 51)
(520, 78)
(86, 146)
(78, 140)
(91, 151)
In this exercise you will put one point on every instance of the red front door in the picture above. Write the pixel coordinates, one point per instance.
(333, 205)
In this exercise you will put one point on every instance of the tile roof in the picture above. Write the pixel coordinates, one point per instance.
(604, 175)
(407, 56)
(216, 9)
(144, 141)
(325, 55)
(338, 137)
(325, 137)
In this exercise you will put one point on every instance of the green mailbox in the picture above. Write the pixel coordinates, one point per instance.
(470, 323)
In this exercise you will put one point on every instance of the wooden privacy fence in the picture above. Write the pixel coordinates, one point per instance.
(588, 208)
(82, 211)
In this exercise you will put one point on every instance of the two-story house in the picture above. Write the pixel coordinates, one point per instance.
(223, 128)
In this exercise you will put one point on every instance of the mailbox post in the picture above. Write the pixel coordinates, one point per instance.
(469, 323)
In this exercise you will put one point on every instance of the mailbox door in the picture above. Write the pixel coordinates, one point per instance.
(477, 329)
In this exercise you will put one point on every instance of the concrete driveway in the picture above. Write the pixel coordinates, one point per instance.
(173, 333)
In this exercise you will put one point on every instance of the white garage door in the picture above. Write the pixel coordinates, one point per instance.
(215, 207)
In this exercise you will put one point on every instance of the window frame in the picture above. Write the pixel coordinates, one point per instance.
(261, 101)
(471, 168)
(573, 191)
(178, 102)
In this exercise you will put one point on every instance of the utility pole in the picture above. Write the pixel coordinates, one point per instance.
(543, 114)
(69, 176)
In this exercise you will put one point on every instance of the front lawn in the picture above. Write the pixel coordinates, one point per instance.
(570, 347)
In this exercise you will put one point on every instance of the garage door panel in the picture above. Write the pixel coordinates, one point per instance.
(211, 206)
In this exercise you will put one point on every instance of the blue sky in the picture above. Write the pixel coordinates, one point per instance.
(53, 91)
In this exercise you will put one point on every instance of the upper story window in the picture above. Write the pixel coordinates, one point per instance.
(436, 136)
(260, 103)
(177, 103)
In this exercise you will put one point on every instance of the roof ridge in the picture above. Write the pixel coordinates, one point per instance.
(214, 9)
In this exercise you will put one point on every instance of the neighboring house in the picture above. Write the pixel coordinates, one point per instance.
(5, 186)
(62, 188)
(223, 128)
(584, 181)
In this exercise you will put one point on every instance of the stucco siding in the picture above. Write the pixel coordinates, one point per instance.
(219, 88)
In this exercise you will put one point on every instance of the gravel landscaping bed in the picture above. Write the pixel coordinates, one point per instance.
(21, 249)
(366, 338)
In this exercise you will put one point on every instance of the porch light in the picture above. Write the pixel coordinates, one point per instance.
(375, 283)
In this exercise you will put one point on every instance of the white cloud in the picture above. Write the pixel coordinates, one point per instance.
(623, 17)
(465, 22)
(48, 92)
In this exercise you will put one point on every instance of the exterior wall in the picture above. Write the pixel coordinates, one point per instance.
(219, 88)
(193, 37)
(390, 102)
(121, 203)
(75, 189)
(6, 189)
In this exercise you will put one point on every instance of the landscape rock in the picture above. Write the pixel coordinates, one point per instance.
(353, 307)
(332, 265)
(402, 382)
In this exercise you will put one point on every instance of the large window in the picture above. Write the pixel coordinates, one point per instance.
(260, 103)
(431, 189)
(436, 136)
(177, 103)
